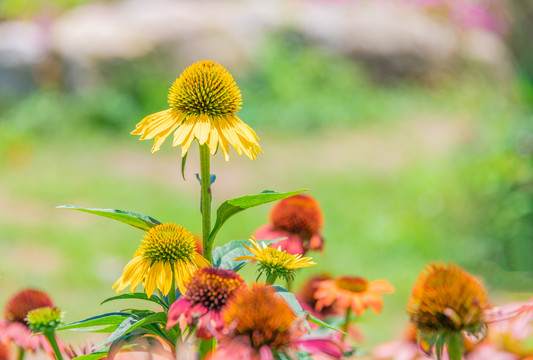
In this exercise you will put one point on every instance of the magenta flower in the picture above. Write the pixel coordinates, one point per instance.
(205, 298)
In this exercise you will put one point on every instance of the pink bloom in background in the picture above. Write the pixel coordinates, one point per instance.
(409, 349)
(405, 349)
(14, 327)
(299, 220)
(511, 328)
(206, 296)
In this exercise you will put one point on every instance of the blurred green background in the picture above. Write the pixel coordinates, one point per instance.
(417, 160)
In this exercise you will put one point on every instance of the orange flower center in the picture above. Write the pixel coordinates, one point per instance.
(352, 283)
(261, 316)
(19, 305)
(298, 214)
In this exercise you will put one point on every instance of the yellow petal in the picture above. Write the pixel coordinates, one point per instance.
(151, 279)
(161, 137)
(201, 129)
(154, 124)
(165, 278)
(187, 144)
(139, 275)
(183, 131)
(212, 140)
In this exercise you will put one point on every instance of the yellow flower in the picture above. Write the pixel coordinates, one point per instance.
(168, 252)
(203, 103)
(275, 261)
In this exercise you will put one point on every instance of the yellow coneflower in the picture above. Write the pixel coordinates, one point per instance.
(274, 261)
(168, 251)
(203, 103)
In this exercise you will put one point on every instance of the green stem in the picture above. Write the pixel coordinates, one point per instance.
(50, 336)
(346, 323)
(205, 177)
(21, 353)
(172, 292)
(205, 347)
(271, 279)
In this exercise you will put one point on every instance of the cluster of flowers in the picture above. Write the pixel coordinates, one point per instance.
(208, 311)
(451, 318)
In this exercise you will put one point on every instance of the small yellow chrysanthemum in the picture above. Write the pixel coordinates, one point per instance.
(168, 251)
(275, 260)
(203, 103)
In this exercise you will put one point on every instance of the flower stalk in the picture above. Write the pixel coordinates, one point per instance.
(172, 292)
(346, 322)
(271, 278)
(205, 182)
(50, 336)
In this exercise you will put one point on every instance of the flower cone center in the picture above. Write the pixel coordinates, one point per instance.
(298, 214)
(353, 284)
(205, 88)
(212, 287)
(170, 243)
(19, 305)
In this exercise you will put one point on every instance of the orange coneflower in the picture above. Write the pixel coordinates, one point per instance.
(445, 302)
(298, 219)
(262, 324)
(447, 298)
(354, 293)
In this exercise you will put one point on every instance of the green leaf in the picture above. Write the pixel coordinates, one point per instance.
(303, 356)
(140, 296)
(235, 206)
(223, 255)
(290, 299)
(93, 356)
(140, 221)
(107, 320)
(183, 162)
(132, 323)
(293, 303)
(455, 346)
(317, 321)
